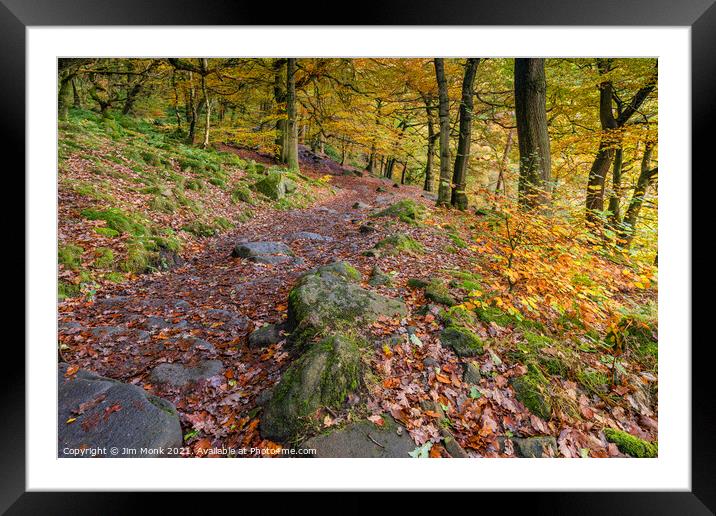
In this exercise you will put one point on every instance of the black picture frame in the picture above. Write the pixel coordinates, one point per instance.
(700, 15)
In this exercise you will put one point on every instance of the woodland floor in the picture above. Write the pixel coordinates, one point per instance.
(221, 299)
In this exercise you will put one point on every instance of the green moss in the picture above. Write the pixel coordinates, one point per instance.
(104, 258)
(459, 242)
(457, 315)
(115, 277)
(463, 341)
(631, 445)
(194, 184)
(222, 223)
(118, 220)
(90, 190)
(407, 210)
(417, 283)
(162, 204)
(438, 292)
(532, 390)
(400, 243)
(242, 193)
(200, 229)
(537, 341)
(554, 366)
(107, 232)
(65, 290)
(582, 280)
(138, 259)
(593, 381)
(70, 255)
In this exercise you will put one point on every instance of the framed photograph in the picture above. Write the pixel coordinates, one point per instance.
(426, 233)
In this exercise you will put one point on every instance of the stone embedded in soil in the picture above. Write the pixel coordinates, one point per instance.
(378, 277)
(367, 228)
(275, 185)
(179, 375)
(322, 377)
(472, 373)
(307, 235)
(363, 439)
(361, 206)
(463, 341)
(105, 413)
(118, 333)
(266, 335)
(229, 319)
(253, 249)
(532, 447)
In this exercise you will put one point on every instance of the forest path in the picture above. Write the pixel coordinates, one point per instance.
(199, 316)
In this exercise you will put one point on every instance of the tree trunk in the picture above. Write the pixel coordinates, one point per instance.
(76, 100)
(428, 186)
(207, 110)
(63, 104)
(291, 125)
(459, 176)
(610, 137)
(193, 110)
(615, 197)
(532, 135)
(646, 178)
(389, 168)
(279, 95)
(444, 188)
(503, 166)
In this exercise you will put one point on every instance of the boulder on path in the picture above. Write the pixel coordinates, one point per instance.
(329, 297)
(322, 377)
(266, 335)
(264, 252)
(96, 414)
(378, 277)
(275, 185)
(179, 375)
(463, 341)
(363, 439)
(307, 235)
(361, 206)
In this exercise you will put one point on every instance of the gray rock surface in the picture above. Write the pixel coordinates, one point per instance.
(179, 375)
(97, 413)
(363, 439)
(307, 235)
(266, 335)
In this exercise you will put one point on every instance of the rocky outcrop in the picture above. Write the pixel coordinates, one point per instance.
(327, 312)
(263, 252)
(102, 417)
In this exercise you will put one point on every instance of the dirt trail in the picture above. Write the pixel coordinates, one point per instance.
(206, 309)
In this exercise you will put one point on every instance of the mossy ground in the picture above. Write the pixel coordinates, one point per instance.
(631, 445)
(407, 210)
(400, 243)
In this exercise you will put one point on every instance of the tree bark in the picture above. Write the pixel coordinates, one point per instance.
(615, 197)
(207, 104)
(532, 135)
(291, 125)
(503, 166)
(428, 186)
(459, 177)
(646, 177)
(444, 188)
(279, 95)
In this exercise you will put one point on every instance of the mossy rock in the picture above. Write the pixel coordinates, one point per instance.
(463, 341)
(417, 283)
(400, 243)
(275, 185)
(532, 390)
(437, 291)
(631, 445)
(66, 290)
(329, 298)
(322, 377)
(242, 193)
(70, 255)
(457, 315)
(162, 204)
(407, 210)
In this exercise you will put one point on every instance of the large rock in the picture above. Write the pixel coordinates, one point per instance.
(96, 414)
(264, 252)
(275, 185)
(532, 447)
(363, 439)
(322, 377)
(463, 341)
(266, 335)
(307, 235)
(329, 298)
(179, 375)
